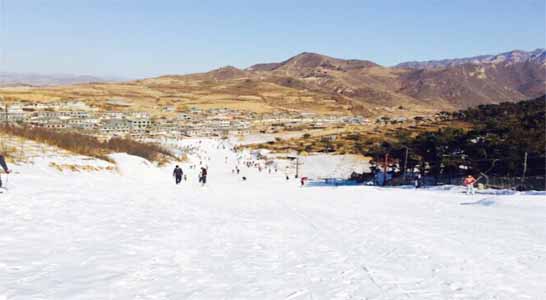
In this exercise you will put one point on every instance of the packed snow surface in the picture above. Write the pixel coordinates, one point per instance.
(134, 234)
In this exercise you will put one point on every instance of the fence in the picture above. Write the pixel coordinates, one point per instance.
(537, 183)
(333, 182)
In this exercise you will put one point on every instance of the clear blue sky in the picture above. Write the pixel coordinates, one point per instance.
(138, 38)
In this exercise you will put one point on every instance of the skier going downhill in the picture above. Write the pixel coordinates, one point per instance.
(469, 182)
(4, 166)
(177, 174)
(203, 176)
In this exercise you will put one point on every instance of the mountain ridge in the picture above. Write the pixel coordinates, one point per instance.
(312, 81)
(538, 55)
(40, 79)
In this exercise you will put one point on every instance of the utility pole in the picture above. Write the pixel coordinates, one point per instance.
(524, 169)
(385, 169)
(406, 164)
(297, 166)
(6, 114)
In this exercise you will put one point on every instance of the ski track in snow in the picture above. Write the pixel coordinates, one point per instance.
(138, 236)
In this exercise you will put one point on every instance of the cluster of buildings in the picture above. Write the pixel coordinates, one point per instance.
(289, 120)
(77, 115)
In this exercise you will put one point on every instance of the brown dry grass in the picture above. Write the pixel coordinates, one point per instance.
(79, 168)
(88, 145)
(350, 139)
(203, 91)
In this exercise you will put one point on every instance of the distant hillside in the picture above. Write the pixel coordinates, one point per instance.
(323, 84)
(308, 62)
(455, 84)
(515, 56)
(32, 79)
(468, 85)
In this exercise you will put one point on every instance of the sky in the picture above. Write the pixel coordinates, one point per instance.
(138, 38)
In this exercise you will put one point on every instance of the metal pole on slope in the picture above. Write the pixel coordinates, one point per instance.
(297, 166)
(406, 164)
(385, 169)
(524, 169)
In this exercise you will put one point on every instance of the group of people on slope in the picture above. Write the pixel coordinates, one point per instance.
(178, 175)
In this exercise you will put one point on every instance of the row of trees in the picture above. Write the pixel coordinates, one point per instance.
(507, 139)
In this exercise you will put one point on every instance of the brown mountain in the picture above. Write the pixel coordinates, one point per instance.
(509, 76)
(314, 82)
(359, 82)
(537, 56)
(470, 84)
(302, 64)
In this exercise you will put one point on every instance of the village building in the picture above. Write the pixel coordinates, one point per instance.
(115, 127)
(140, 123)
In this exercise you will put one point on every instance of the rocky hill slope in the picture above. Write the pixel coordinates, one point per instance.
(319, 83)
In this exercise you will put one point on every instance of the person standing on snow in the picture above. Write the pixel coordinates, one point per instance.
(418, 181)
(4, 166)
(469, 182)
(177, 174)
(203, 176)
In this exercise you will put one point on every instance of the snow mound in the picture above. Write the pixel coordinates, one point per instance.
(332, 166)
(498, 192)
(130, 165)
(482, 202)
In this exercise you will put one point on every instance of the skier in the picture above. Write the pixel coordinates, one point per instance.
(203, 176)
(4, 166)
(469, 182)
(177, 174)
(418, 181)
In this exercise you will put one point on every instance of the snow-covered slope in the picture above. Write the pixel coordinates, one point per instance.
(136, 235)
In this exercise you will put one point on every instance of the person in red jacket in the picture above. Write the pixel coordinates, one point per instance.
(4, 166)
(469, 182)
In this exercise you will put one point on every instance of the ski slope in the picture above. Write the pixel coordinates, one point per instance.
(134, 234)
